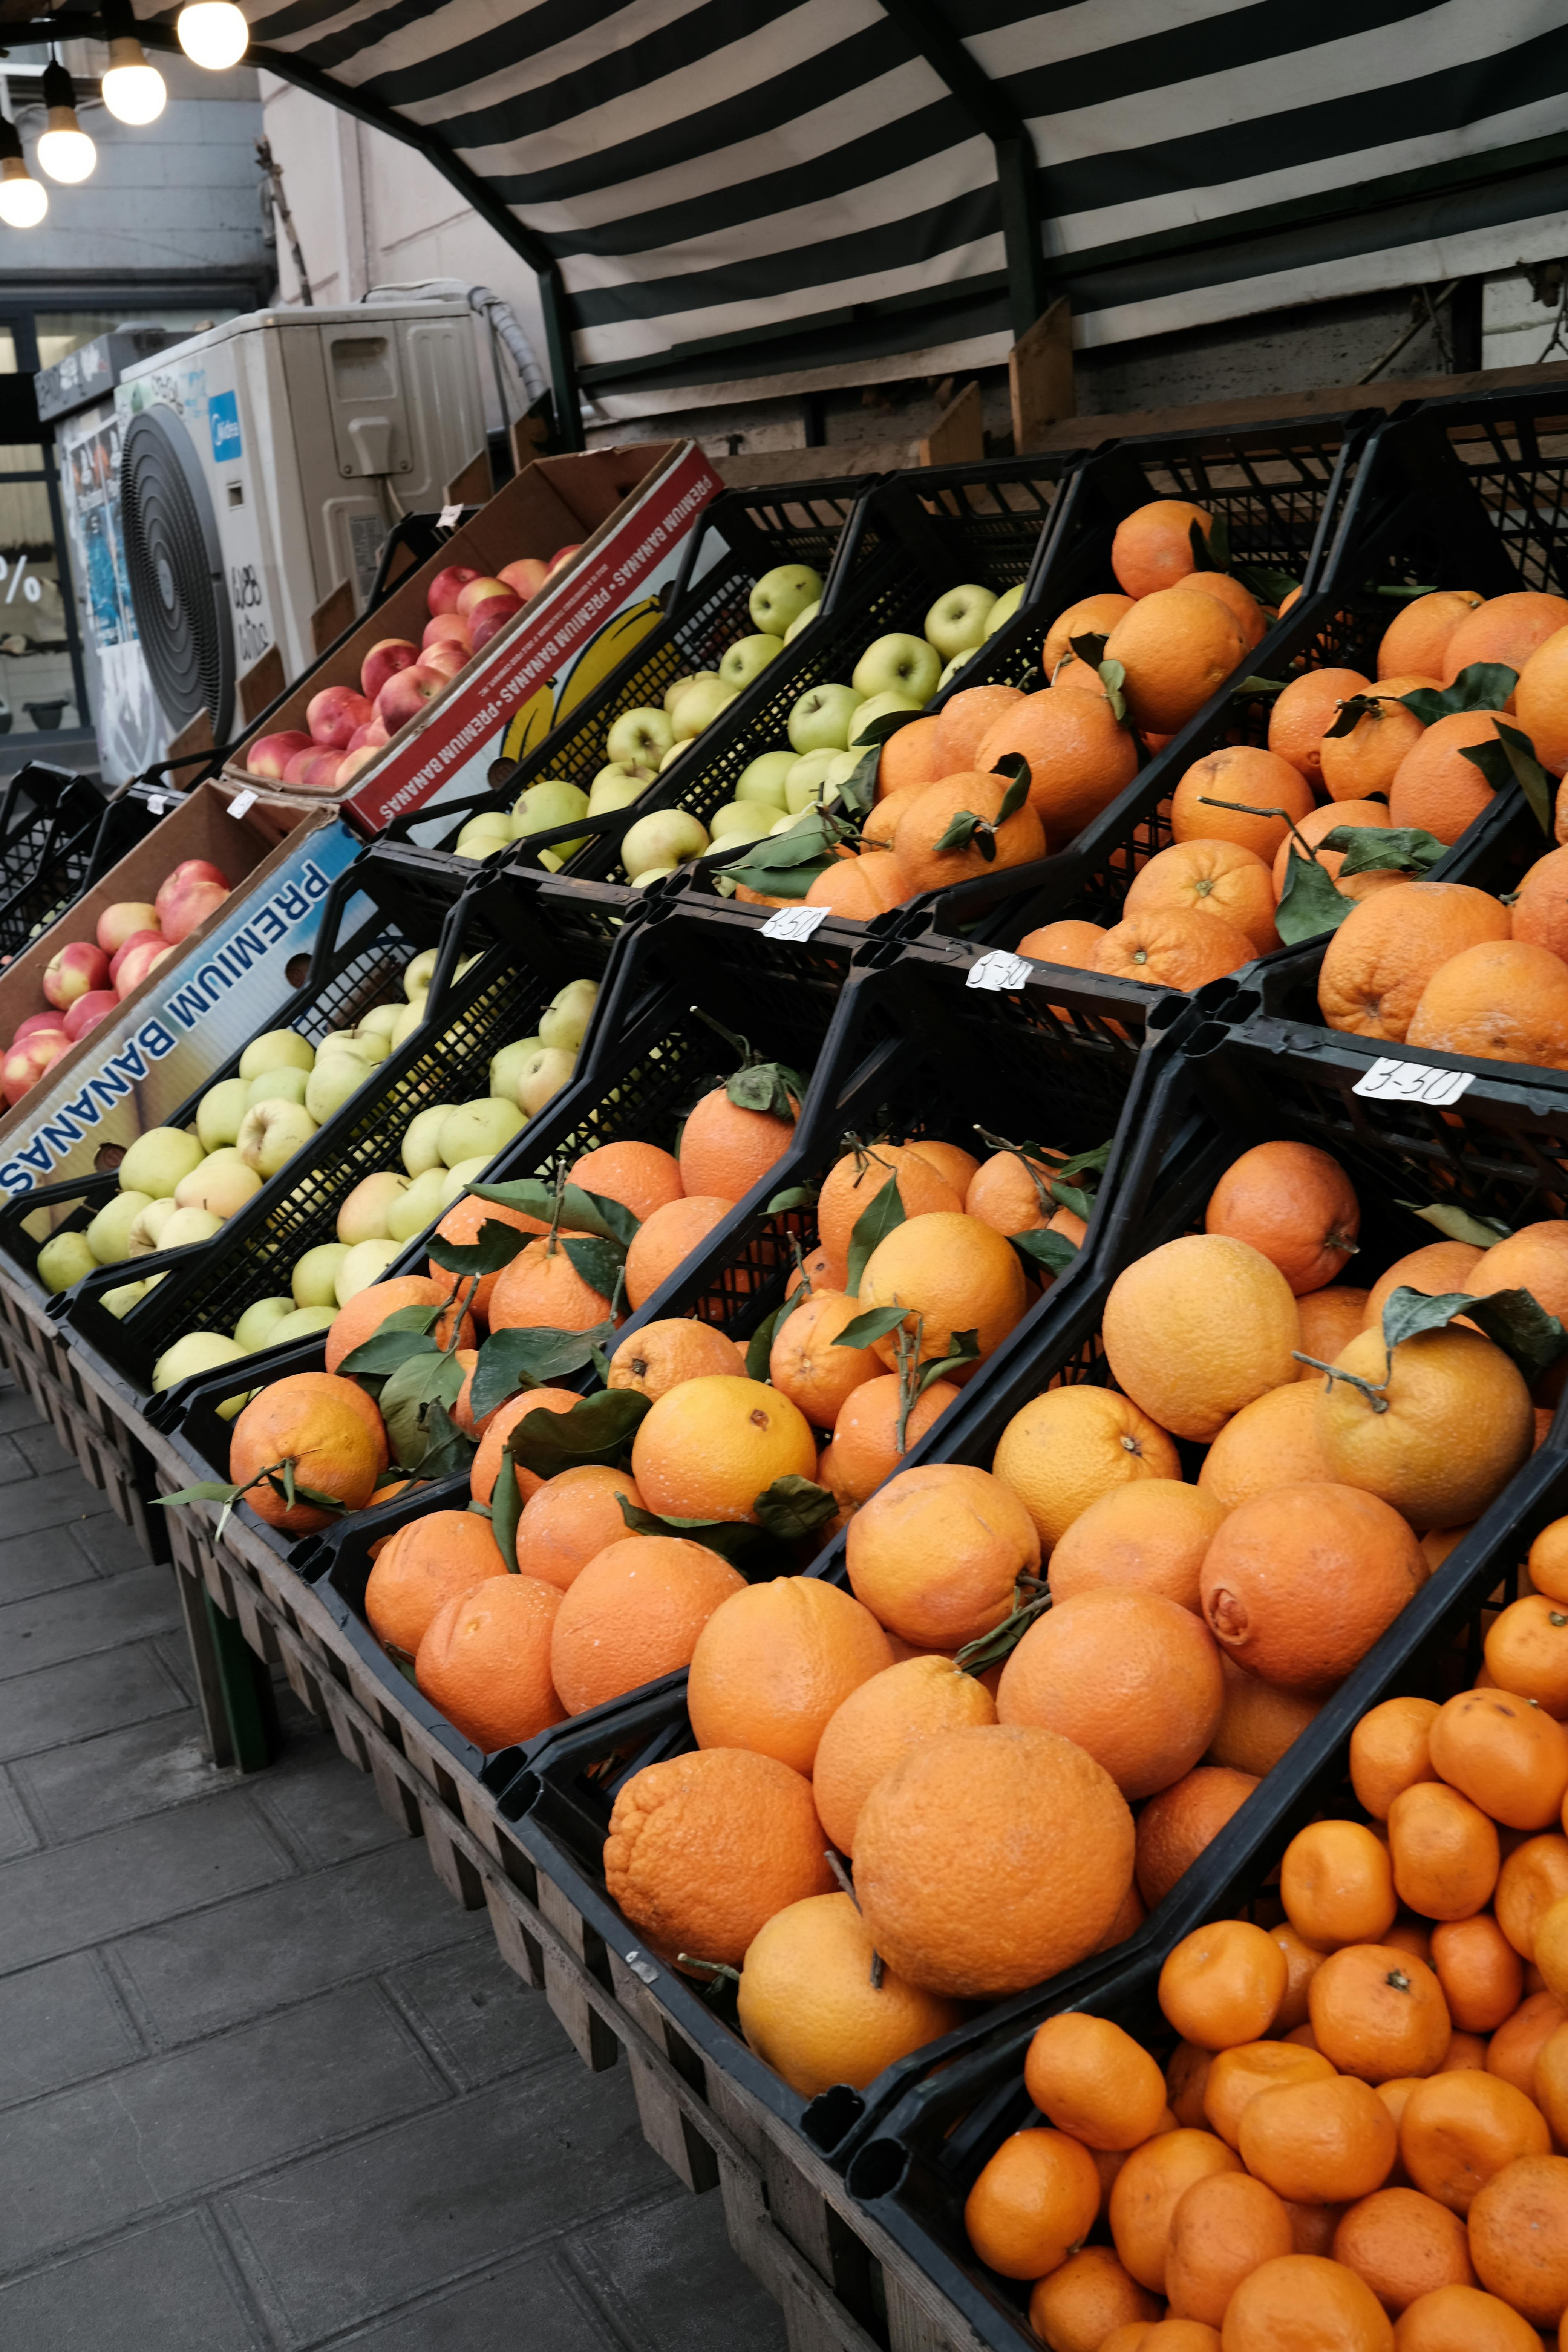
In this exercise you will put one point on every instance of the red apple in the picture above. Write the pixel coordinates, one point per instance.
(375, 734)
(384, 660)
(444, 590)
(444, 658)
(307, 766)
(445, 625)
(270, 754)
(488, 619)
(72, 970)
(88, 1011)
(563, 555)
(36, 1023)
(332, 715)
(189, 869)
(137, 963)
(353, 762)
(526, 577)
(24, 1064)
(402, 698)
(153, 937)
(361, 735)
(195, 904)
(477, 589)
(119, 923)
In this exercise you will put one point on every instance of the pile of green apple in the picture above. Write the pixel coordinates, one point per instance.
(643, 742)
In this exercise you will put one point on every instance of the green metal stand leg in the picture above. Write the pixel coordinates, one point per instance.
(248, 1697)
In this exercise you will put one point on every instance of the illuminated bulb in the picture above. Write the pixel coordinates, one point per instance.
(64, 151)
(213, 33)
(132, 89)
(23, 203)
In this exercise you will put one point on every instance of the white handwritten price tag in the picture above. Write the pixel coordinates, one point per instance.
(794, 922)
(998, 970)
(241, 804)
(1411, 1082)
(157, 803)
(447, 518)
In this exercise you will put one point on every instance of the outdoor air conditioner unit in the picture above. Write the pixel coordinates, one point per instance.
(261, 465)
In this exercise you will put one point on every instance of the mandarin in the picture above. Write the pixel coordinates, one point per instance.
(1405, 2245)
(1481, 1974)
(1379, 2013)
(1221, 2230)
(1302, 2303)
(1508, 1757)
(1519, 2237)
(1240, 2073)
(1337, 1885)
(1457, 2129)
(1319, 2143)
(1147, 2191)
(1445, 1851)
(1090, 2078)
(1533, 1877)
(1076, 2308)
(1033, 2203)
(1221, 1985)
(1463, 2319)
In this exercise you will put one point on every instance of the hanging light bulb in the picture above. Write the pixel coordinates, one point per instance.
(132, 89)
(23, 203)
(64, 151)
(213, 33)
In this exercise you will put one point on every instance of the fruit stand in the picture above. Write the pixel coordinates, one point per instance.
(586, 1180)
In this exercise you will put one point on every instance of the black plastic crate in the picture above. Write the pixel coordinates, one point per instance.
(916, 2158)
(58, 835)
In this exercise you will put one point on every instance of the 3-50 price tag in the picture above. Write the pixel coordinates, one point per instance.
(794, 922)
(1412, 1082)
(998, 970)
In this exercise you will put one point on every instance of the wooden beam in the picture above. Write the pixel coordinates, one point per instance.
(1040, 379)
(332, 615)
(958, 436)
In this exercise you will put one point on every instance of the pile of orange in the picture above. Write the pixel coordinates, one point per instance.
(1358, 2140)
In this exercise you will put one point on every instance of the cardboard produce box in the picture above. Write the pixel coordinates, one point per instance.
(216, 990)
(632, 509)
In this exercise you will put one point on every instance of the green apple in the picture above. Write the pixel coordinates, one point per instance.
(189, 1225)
(260, 1321)
(147, 1234)
(675, 751)
(1004, 609)
(277, 1049)
(484, 835)
(223, 1183)
(64, 1259)
(699, 707)
(420, 1147)
(156, 1160)
(739, 821)
(506, 1066)
(544, 806)
(335, 1078)
(419, 1206)
(314, 1279)
(781, 596)
(640, 738)
(378, 1022)
(197, 1351)
(272, 1133)
(232, 1407)
(803, 786)
(463, 964)
(363, 1215)
(788, 822)
(956, 622)
(274, 1085)
(482, 1125)
(801, 620)
(617, 787)
(304, 1324)
(369, 1044)
(748, 660)
(108, 1235)
(545, 1075)
(570, 1009)
(219, 1112)
(820, 719)
(672, 694)
(366, 1263)
(457, 1181)
(418, 975)
(650, 874)
(842, 767)
(880, 706)
(119, 1301)
(763, 778)
(898, 664)
(411, 1017)
(663, 837)
(951, 672)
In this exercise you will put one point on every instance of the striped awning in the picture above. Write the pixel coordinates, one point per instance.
(731, 190)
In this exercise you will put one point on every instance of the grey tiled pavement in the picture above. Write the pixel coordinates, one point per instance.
(262, 2086)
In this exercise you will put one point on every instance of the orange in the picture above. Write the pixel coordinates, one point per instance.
(1303, 1961)
(1258, 782)
(484, 1661)
(1163, 2336)
(1132, 1677)
(1297, 1584)
(1533, 1877)
(1063, 1451)
(859, 1177)
(328, 1429)
(1445, 1853)
(965, 719)
(1480, 1973)
(704, 1849)
(1271, 1443)
(710, 1448)
(1549, 2084)
(1222, 2229)
(1435, 786)
(1502, 1001)
(1176, 649)
(1377, 964)
(936, 1554)
(1518, 2043)
(1294, 1203)
(424, 1564)
(1507, 629)
(1167, 949)
(1258, 1723)
(1527, 1651)
(569, 1519)
(667, 1238)
(1197, 1328)
(1519, 2237)
(1436, 1268)
(1033, 2205)
(1508, 1757)
(1367, 758)
(1012, 1195)
(725, 1149)
(1304, 712)
(1540, 904)
(1551, 1948)
(914, 756)
(1539, 702)
(1390, 1752)
(1328, 1319)
(952, 1272)
(1535, 1258)
(865, 1435)
(879, 1721)
(1079, 757)
(987, 1860)
(639, 1176)
(1445, 1425)
(660, 1354)
(1147, 2191)
(1075, 2308)
(806, 1364)
(1463, 2319)
(1210, 877)
(1418, 635)
(1301, 2303)
(486, 1462)
(1153, 547)
(368, 1310)
(1186, 2081)
(1337, 1885)
(809, 2007)
(1379, 2012)
(1092, 616)
(927, 815)
(1458, 2129)
(1238, 2075)
(949, 1160)
(1090, 2078)
(862, 886)
(633, 1613)
(1242, 605)
(1148, 1536)
(1405, 2245)
(463, 1223)
(1070, 942)
(1548, 1560)
(774, 1663)
(546, 1292)
(1319, 2143)
(1176, 1826)
(1221, 1985)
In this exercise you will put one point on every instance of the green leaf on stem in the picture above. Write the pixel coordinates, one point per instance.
(446, 1450)
(1207, 557)
(1267, 583)
(405, 1403)
(1015, 766)
(1514, 1320)
(600, 1264)
(879, 729)
(1377, 849)
(1054, 1252)
(1458, 1224)
(531, 1358)
(767, 1086)
(1309, 905)
(580, 1212)
(1090, 649)
(1113, 679)
(1511, 760)
(1484, 686)
(793, 1196)
(506, 1508)
(599, 1430)
(867, 1329)
(736, 1540)
(496, 1246)
(874, 1223)
(966, 1349)
(794, 1507)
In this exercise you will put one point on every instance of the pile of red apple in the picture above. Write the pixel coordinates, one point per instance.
(86, 980)
(398, 677)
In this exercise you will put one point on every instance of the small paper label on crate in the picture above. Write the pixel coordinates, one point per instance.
(999, 970)
(447, 518)
(156, 803)
(1413, 1082)
(794, 922)
(641, 1965)
(241, 804)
